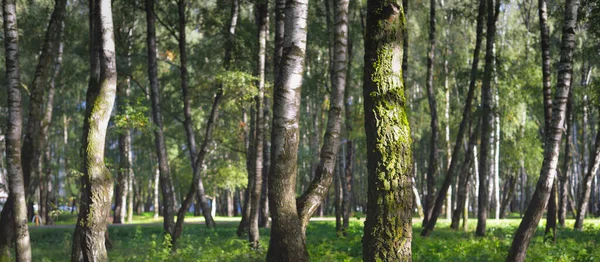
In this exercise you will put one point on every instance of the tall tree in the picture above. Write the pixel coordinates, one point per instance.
(547, 100)
(540, 197)
(466, 119)
(486, 158)
(198, 157)
(13, 137)
(313, 197)
(166, 184)
(34, 140)
(96, 180)
(262, 22)
(287, 240)
(125, 152)
(348, 172)
(432, 167)
(565, 171)
(388, 231)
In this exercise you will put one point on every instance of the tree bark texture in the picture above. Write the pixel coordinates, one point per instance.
(432, 163)
(96, 181)
(466, 115)
(262, 22)
(16, 183)
(388, 227)
(486, 156)
(166, 183)
(565, 171)
(317, 190)
(287, 241)
(542, 191)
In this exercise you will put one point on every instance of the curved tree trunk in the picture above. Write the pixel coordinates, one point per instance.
(287, 240)
(317, 190)
(387, 229)
(16, 182)
(542, 191)
(97, 182)
(166, 184)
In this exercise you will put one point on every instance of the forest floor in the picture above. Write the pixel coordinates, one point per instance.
(143, 241)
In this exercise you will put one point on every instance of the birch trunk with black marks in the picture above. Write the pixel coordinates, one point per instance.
(317, 190)
(388, 227)
(552, 146)
(287, 241)
(16, 185)
(96, 181)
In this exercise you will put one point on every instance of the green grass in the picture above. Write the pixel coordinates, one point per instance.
(145, 243)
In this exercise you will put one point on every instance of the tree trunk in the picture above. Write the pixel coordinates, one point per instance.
(347, 179)
(197, 157)
(338, 195)
(34, 141)
(509, 192)
(432, 167)
(16, 183)
(389, 209)
(452, 169)
(486, 156)
(463, 179)
(96, 180)
(586, 185)
(49, 202)
(287, 241)
(262, 22)
(125, 153)
(552, 145)
(564, 172)
(166, 184)
(314, 195)
(264, 198)
(36, 131)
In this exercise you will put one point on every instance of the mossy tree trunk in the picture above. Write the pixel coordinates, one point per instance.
(388, 227)
(14, 127)
(287, 239)
(541, 194)
(96, 180)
